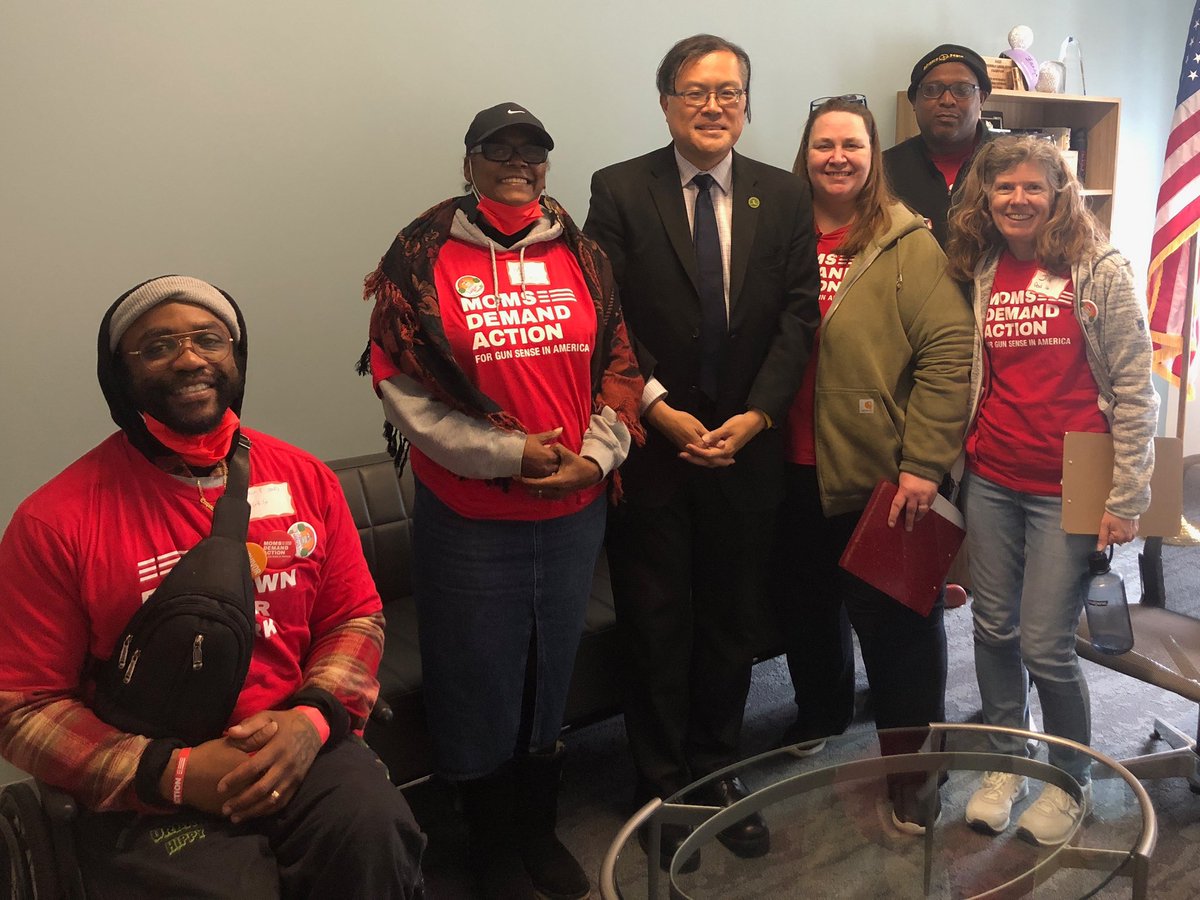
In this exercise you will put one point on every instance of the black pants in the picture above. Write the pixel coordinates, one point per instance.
(688, 585)
(818, 601)
(347, 832)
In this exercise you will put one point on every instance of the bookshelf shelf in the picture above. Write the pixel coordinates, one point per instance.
(1099, 116)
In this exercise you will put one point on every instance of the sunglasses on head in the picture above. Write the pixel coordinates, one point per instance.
(860, 99)
(501, 152)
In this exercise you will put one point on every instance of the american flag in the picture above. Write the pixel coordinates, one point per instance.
(1178, 218)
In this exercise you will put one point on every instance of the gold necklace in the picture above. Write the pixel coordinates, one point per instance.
(204, 500)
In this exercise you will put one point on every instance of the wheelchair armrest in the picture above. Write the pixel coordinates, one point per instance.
(59, 805)
(382, 711)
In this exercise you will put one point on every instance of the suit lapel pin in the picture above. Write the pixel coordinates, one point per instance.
(754, 202)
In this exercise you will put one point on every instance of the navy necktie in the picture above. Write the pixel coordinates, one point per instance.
(713, 319)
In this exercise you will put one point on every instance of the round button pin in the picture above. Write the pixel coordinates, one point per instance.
(305, 537)
(258, 558)
(280, 548)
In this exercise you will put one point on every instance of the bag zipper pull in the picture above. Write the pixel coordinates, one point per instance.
(198, 652)
(132, 664)
(124, 651)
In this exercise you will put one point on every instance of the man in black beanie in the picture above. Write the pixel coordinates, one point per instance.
(947, 89)
(288, 800)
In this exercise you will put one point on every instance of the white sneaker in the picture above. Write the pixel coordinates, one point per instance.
(807, 748)
(990, 807)
(1053, 816)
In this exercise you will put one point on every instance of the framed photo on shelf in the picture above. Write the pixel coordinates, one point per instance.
(993, 120)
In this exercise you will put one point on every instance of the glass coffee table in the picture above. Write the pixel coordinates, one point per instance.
(832, 833)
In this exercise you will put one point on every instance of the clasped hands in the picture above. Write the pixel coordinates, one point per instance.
(551, 471)
(697, 444)
(252, 770)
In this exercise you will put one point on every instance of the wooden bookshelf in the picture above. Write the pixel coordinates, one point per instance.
(1101, 116)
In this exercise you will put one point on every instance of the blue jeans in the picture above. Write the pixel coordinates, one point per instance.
(1029, 582)
(500, 607)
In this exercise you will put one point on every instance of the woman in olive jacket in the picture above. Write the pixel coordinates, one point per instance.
(885, 397)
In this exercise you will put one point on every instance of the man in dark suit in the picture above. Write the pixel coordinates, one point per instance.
(719, 285)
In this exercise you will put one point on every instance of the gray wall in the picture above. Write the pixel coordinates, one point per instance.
(274, 148)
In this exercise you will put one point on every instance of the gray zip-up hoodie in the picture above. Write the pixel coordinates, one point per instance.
(1119, 353)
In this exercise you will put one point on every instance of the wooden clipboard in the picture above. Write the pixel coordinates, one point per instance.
(1087, 482)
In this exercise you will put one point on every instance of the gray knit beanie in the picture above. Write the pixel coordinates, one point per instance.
(171, 287)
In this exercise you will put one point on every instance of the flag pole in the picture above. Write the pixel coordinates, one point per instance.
(1189, 301)
(1189, 535)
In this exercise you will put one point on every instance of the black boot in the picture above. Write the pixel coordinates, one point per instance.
(552, 868)
(489, 806)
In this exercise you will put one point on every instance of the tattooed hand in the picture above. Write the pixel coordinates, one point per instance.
(280, 759)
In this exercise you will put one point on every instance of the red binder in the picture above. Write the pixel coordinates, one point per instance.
(909, 566)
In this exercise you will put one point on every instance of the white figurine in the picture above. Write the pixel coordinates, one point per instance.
(1021, 37)
(1051, 75)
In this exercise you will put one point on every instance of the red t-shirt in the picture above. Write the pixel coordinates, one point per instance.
(1037, 382)
(801, 445)
(526, 345)
(85, 551)
(950, 165)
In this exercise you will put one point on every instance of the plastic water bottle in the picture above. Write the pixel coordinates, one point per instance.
(1107, 607)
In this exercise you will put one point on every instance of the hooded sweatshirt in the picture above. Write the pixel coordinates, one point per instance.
(893, 373)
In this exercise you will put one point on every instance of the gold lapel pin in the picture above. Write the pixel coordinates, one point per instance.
(754, 202)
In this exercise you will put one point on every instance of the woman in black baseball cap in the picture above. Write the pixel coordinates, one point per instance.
(500, 355)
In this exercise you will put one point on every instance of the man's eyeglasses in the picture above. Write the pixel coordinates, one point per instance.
(960, 90)
(160, 351)
(697, 97)
(501, 152)
(860, 99)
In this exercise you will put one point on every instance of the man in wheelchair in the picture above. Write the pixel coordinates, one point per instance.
(288, 800)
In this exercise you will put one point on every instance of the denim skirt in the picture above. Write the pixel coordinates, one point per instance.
(500, 608)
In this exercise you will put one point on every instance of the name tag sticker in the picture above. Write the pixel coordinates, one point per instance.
(535, 273)
(271, 499)
(1048, 285)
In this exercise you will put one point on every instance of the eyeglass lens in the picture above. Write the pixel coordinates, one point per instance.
(860, 99)
(960, 90)
(500, 152)
(163, 349)
(725, 96)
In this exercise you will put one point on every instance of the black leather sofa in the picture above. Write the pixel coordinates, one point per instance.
(381, 505)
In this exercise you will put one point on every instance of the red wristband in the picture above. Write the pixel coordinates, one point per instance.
(315, 716)
(180, 770)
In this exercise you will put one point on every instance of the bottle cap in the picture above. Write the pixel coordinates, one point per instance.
(1098, 562)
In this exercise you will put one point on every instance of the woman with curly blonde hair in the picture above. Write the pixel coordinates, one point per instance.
(1061, 345)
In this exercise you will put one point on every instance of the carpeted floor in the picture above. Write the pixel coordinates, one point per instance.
(598, 785)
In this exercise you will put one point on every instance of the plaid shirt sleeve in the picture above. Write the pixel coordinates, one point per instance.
(344, 660)
(57, 738)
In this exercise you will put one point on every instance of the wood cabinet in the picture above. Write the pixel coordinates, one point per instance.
(1101, 116)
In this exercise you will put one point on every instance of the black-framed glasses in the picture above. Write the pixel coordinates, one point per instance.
(697, 97)
(960, 90)
(161, 350)
(497, 151)
(860, 99)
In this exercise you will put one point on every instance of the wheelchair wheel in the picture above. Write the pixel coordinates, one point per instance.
(14, 872)
(21, 812)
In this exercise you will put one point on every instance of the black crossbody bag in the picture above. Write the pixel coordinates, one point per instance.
(180, 663)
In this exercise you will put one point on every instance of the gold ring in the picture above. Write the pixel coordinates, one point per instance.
(275, 796)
